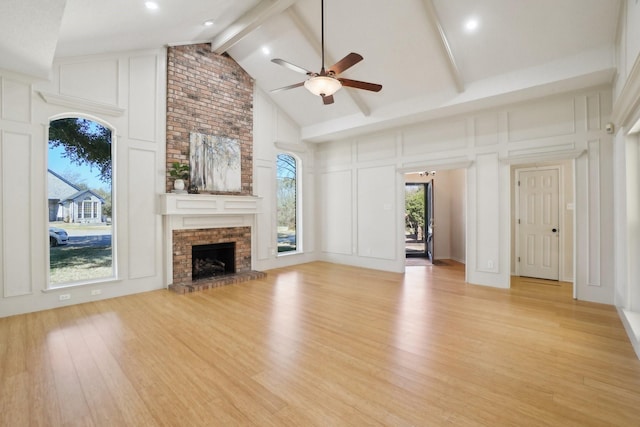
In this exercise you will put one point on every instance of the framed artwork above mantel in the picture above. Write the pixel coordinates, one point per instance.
(215, 163)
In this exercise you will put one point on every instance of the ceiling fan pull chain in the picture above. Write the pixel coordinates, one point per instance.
(322, 72)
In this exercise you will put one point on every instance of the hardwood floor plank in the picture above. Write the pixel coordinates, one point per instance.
(324, 344)
(43, 408)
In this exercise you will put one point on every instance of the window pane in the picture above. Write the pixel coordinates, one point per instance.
(79, 202)
(287, 203)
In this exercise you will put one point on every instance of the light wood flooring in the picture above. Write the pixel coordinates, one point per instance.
(324, 345)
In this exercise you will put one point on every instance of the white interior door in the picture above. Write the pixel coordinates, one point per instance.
(538, 231)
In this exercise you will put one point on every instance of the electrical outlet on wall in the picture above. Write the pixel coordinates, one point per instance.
(64, 297)
(490, 263)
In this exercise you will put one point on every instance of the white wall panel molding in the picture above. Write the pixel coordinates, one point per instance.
(486, 129)
(144, 249)
(487, 203)
(542, 119)
(376, 213)
(445, 163)
(543, 154)
(16, 174)
(15, 100)
(142, 99)
(435, 136)
(264, 184)
(594, 112)
(594, 237)
(376, 147)
(336, 212)
(113, 89)
(96, 80)
(79, 104)
(333, 154)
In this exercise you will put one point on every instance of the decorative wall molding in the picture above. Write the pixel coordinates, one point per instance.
(594, 204)
(535, 156)
(208, 204)
(626, 109)
(294, 148)
(442, 164)
(79, 104)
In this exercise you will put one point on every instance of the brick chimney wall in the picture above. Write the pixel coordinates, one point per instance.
(210, 94)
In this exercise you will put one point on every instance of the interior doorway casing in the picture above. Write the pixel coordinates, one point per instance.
(456, 175)
(566, 174)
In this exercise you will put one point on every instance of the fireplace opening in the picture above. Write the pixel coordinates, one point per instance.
(213, 260)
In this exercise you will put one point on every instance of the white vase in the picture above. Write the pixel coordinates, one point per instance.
(178, 184)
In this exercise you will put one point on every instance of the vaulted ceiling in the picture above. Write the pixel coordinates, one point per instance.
(429, 64)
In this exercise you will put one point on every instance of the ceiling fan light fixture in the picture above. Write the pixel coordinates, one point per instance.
(322, 85)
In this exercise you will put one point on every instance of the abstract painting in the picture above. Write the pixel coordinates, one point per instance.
(215, 163)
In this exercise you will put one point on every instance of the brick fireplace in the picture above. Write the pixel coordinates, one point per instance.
(185, 240)
(208, 94)
(203, 219)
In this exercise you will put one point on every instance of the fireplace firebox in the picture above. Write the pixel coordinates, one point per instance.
(213, 260)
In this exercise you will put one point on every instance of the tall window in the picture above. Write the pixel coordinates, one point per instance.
(79, 202)
(287, 203)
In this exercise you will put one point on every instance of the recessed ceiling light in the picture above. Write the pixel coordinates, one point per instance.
(471, 25)
(208, 23)
(151, 5)
(266, 50)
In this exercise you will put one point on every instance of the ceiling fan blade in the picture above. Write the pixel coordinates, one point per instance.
(345, 63)
(291, 66)
(373, 87)
(326, 100)
(293, 86)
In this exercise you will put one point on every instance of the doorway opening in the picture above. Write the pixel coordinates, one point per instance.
(435, 217)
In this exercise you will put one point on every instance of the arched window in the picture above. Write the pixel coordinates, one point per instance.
(287, 204)
(80, 195)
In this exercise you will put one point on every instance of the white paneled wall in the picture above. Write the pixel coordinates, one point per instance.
(486, 144)
(273, 133)
(123, 91)
(625, 197)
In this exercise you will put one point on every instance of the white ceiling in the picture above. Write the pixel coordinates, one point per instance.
(522, 48)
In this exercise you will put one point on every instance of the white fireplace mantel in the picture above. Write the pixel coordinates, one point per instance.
(208, 204)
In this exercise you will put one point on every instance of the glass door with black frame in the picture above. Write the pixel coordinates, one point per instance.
(415, 220)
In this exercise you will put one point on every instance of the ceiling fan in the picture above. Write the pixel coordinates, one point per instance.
(327, 81)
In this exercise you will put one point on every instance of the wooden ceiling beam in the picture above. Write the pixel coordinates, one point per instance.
(247, 23)
(432, 14)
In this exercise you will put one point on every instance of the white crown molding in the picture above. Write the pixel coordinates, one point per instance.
(82, 104)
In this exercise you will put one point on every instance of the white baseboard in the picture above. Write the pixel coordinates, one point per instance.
(631, 321)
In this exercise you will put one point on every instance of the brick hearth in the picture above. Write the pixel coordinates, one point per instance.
(214, 282)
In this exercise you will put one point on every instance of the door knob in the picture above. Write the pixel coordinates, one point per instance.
(554, 230)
